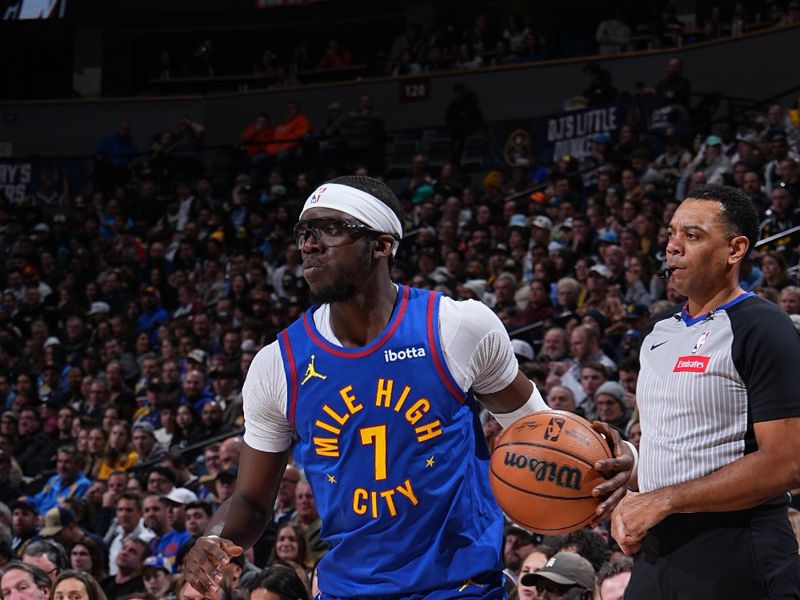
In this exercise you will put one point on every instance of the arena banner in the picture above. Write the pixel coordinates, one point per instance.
(574, 132)
(549, 137)
(47, 182)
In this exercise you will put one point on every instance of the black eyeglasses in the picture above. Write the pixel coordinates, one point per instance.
(332, 232)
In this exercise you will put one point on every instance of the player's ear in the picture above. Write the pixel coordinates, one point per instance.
(383, 246)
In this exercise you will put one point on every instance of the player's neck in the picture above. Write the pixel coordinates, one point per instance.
(359, 320)
(701, 306)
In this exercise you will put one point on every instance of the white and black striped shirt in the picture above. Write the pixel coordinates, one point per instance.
(705, 381)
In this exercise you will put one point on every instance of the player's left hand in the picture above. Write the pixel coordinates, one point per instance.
(617, 470)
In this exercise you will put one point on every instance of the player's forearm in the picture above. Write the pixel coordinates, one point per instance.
(239, 521)
(743, 484)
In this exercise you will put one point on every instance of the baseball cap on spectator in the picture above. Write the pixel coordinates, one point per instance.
(513, 529)
(22, 504)
(150, 291)
(518, 220)
(608, 237)
(10, 414)
(51, 341)
(599, 317)
(228, 474)
(226, 372)
(602, 138)
(243, 179)
(156, 562)
(477, 287)
(634, 333)
(144, 426)
(60, 218)
(568, 223)
(634, 311)
(197, 355)
(179, 495)
(542, 222)
(601, 270)
(98, 308)
(613, 389)
(55, 520)
(522, 349)
(747, 138)
(248, 346)
(422, 193)
(565, 568)
(713, 140)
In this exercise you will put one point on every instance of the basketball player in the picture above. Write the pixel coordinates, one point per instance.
(719, 401)
(374, 383)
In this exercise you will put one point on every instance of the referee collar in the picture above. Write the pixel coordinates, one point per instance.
(700, 318)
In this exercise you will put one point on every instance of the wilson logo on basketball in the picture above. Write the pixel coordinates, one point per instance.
(546, 470)
(691, 364)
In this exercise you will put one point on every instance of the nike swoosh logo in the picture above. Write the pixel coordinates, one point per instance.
(654, 346)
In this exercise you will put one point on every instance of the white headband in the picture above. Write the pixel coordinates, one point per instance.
(356, 203)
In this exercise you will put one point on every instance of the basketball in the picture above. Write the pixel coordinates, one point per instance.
(542, 471)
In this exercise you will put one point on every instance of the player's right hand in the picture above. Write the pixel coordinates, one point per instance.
(202, 567)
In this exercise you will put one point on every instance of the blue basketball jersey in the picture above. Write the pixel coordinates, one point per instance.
(395, 456)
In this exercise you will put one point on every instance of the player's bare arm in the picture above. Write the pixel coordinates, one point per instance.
(745, 483)
(240, 521)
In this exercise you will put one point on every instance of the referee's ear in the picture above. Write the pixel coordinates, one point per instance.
(737, 249)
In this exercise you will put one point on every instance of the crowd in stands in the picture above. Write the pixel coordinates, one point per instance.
(471, 41)
(131, 312)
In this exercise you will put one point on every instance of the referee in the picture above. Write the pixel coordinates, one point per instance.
(719, 401)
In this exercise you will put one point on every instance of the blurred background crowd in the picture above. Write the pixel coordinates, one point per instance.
(133, 303)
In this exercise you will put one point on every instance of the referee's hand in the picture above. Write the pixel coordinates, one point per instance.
(203, 564)
(617, 470)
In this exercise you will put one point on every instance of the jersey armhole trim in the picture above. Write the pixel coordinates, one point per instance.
(436, 350)
(291, 375)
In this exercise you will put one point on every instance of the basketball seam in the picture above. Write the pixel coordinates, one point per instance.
(546, 447)
(519, 489)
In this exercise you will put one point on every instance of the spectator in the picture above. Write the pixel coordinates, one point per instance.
(256, 137)
(278, 582)
(86, 555)
(463, 117)
(675, 88)
(34, 450)
(23, 526)
(68, 482)
(128, 523)
(119, 454)
(77, 584)
(49, 556)
(613, 577)
(20, 580)
(157, 576)
(168, 545)
(613, 34)
(335, 57)
(147, 448)
(289, 136)
(128, 578)
(362, 134)
(291, 546)
(307, 518)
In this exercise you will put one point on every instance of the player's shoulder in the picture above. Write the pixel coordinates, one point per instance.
(469, 310)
